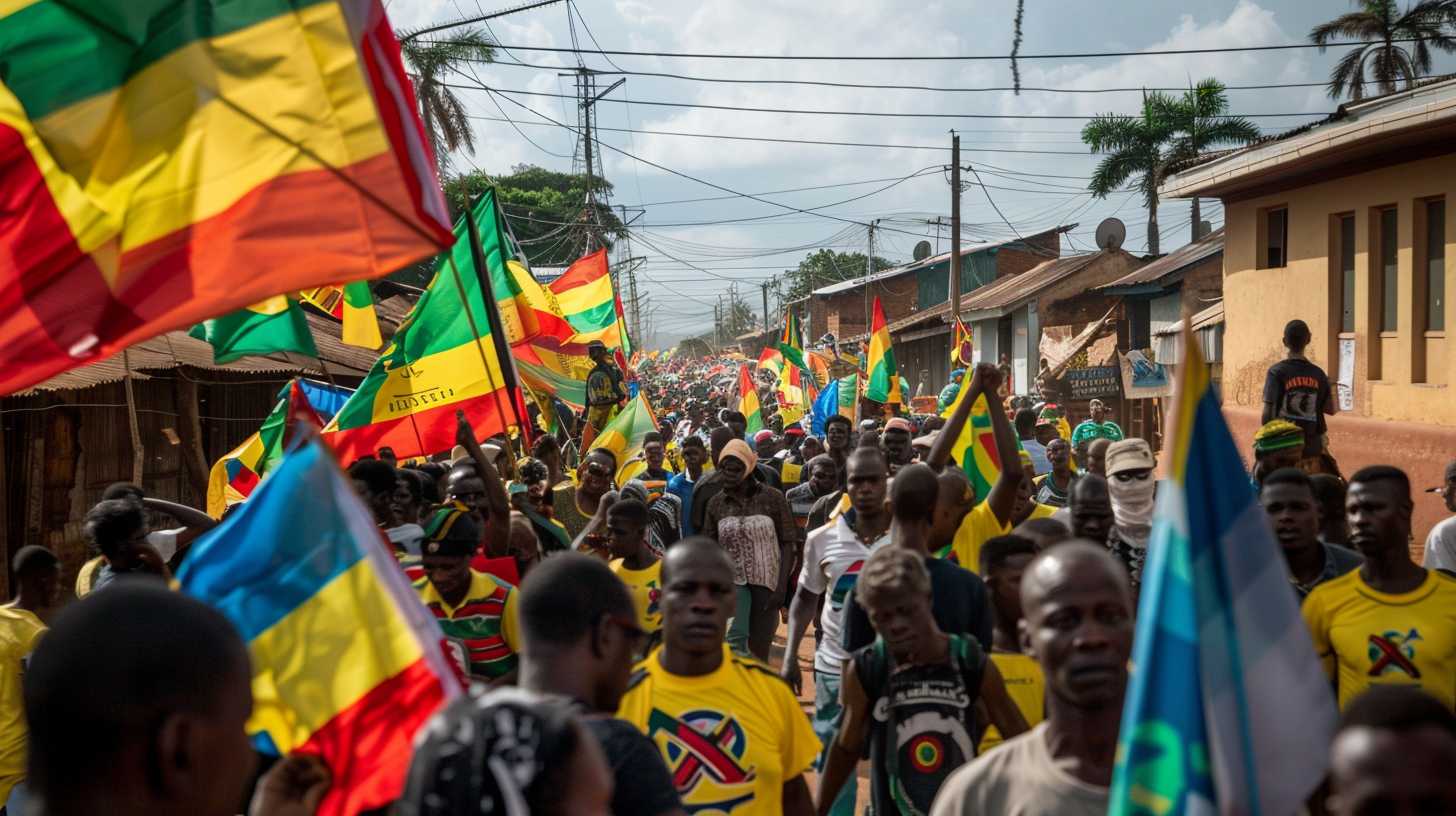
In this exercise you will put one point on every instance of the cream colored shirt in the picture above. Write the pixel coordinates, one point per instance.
(1018, 779)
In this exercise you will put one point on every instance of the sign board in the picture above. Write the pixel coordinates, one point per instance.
(1345, 383)
(922, 405)
(1142, 378)
(1097, 381)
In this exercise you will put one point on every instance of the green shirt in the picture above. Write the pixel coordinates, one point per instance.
(1088, 430)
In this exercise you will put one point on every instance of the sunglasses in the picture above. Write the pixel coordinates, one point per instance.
(598, 470)
(1130, 475)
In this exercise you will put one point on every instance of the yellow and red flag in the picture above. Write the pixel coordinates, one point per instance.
(748, 401)
(353, 305)
(883, 385)
(203, 162)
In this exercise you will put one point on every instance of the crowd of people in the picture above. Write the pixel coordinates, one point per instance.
(633, 629)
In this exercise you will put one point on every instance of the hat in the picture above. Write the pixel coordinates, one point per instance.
(900, 424)
(763, 436)
(1095, 403)
(738, 449)
(1278, 435)
(793, 430)
(594, 345)
(451, 531)
(1129, 454)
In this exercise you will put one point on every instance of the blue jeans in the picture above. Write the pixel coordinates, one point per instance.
(827, 714)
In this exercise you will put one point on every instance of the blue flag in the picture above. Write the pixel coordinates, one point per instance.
(826, 405)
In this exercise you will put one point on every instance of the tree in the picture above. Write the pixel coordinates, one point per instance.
(1380, 23)
(446, 124)
(824, 267)
(1134, 147)
(1199, 122)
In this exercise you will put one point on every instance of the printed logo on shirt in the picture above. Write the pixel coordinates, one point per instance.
(844, 586)
(704, 750)
(1392, 652)
(926, 753)
(654, 598)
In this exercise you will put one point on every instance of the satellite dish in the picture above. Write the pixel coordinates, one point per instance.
(1110, 233)
(922, 251)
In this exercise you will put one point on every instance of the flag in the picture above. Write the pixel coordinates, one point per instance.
(588, 301)
(275, 325)
(433, 367)
(771, 359)
(884, 378)
(510, 281)
(791, 343)
(748, 401)
(818, 367)
(975, 448)
(623, 435)
(347, 664)
(353, 305)
(961, 348)
(826, 406)
(848, 394)
(1228, 709)
(194, 163)
(234, 476)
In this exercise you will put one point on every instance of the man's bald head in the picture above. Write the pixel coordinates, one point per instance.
(1077, 559)
(1097, 456)
(696, 552)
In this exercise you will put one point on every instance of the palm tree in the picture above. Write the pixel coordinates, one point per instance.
(1200, 122)
(1134, 147)
(1380, 23)
(446, 122)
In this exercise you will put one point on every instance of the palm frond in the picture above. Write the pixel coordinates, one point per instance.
(1356, 25)
(1349, 74)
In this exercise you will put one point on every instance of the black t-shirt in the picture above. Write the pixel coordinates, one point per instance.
(1300, 393)
(643, 784)
(959, 603)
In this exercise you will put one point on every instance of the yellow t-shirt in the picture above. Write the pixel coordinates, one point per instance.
(646, 588)
(19, 631)
(1365, 637)
(1027, 687)
(1039, 510)
(731, 738)
(979, 525)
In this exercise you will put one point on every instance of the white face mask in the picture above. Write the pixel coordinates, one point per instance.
(1132, 501)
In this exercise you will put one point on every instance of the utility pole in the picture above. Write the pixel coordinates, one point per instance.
(765, 308)
(869, 270)
(955, 225)
(586, 92)
(636, 305)
(718, 323)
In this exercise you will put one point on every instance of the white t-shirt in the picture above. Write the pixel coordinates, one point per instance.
(1019, 778)
(1441, 546)
(833, 556)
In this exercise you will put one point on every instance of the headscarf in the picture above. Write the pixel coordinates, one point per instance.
(1278, 435)
(738, 449)
(1132, 508)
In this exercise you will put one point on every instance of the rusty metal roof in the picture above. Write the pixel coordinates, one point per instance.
(1016, 289)
(1175, 261)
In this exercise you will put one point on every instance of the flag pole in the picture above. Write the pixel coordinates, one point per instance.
(475, 332)
(509, 374)
(138, 453)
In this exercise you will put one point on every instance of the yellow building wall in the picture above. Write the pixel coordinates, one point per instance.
(1258, 302)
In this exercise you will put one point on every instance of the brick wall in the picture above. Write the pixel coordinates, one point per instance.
(845, 311)
(1013, 261)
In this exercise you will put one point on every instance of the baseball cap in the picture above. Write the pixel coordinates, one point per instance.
(900, 424)
(763, 436)
(1129, 454)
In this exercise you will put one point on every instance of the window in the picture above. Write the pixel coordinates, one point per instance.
(1435, 263)
(1275, 252)
(1347, 273)
(1140, 324)
(1389, 275)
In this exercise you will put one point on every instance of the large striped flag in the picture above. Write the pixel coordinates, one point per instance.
(748, 401)
(164, 163)
(234, 476)
(275, 325)
(791, 344)
(883, 385)
(347, 664)
(444, 357)
(353, 305)
(1228, 709)
(975, 448)
(588, 302)
(624, 435)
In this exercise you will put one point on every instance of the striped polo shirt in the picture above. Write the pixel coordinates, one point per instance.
(484, 624)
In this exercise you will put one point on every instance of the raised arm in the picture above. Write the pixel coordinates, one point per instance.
(495, 488)
(973, 385)
(1002, 497)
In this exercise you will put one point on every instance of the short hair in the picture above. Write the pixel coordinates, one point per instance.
(734, 416)
(1397, 708)
(414, 481)
(914, 492)
(836, 419)
(1296, 335)
(112, 521)
(651, 436)
(79, 726)
(123, 490)
(892, 569)
(377, 476)
(1329, 491)
(632, 510)
(999, 548)
(700, 543)
(545, 443)
(821, 459)
(1045, 527)
(870, 450)
(33, 559)
(1287, 476)
(694, 442)
(565, 595)
(1383, 473)
(607, 452)
(1025, 421)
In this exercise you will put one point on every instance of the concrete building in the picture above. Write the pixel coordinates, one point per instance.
(1345, 224)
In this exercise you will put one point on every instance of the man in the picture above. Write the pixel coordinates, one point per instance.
(836, 439)
(895, 441)
(38, 572)
(636, 565)
(1132, 488)
(1278, 444)
(1043, 532)
(1025, 424)
(1052, 487)
(1091, 509)
(959, 601)
(1004, 560)
(765, 445)
(733, 735)
(1096, 426)
(823, 481)
(37, 583)
(580, 642)
(833, 556)
(1391, 620)
(1026, 506)
(137, 702)
(1297, 390)
(117, 528)
(574, 504)
(603, 388)
(1441, 542)
(793, 470)
(923, 687)
(753, 523)
(654, 450)
(481, 488)
(171, 544)
(1393, 754)
(694, 456)
(476, 611)
(1329, 493)
(1097, 456)
(1289, 500)
(1079, 628)
(375, 482)
(736, 422)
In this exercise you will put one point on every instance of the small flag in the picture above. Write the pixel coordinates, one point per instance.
(791, 343)
(624, 434)
(884, 377)
(975, 448)
(275, 325)
(353, 305)
(961, 349)
(347, 664)
(748, 401)
(826, 406)
(773, 360)
(1228, 709)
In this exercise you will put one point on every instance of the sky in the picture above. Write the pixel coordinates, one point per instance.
(1034, 171)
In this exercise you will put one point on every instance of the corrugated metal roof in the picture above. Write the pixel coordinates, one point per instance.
(1017, 289)
(905, 269)
(1175, 261)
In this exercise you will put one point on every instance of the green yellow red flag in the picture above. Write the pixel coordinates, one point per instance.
(624, 435)
(748, 401)
(791, 344)
(883, 385)
(275, 325)
(201, 160)
(353, 305)
(975, 448)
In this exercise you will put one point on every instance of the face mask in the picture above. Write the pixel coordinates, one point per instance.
(1132, 505)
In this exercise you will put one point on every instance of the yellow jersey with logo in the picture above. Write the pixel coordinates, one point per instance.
(646, 588)
(730, 738)
(976, 528)
(1027, 687)
(1365, 637)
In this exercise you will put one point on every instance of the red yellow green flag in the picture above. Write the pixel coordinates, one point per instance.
(196, 161)
(790, 344)
(883, 385)
(975, 448)
(960, 347)
(624, 436)
(353, 305)
(748, 401)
